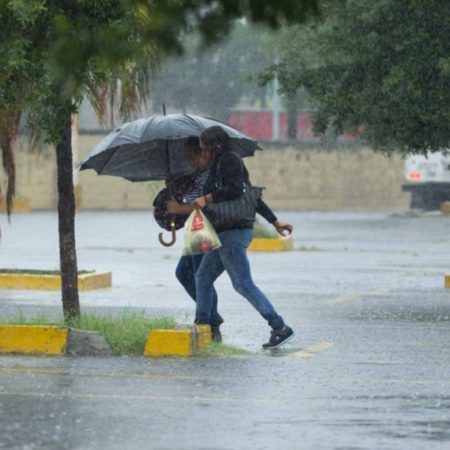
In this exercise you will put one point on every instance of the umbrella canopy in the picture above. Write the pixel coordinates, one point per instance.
(155, 148)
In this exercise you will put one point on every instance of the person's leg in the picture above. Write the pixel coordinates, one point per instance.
(185, 273)
(216, 318)
(208, 271)
(233, 255)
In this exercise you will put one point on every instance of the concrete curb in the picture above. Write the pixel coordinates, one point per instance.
(24, 281)
(447, 280)
(182, 341)
(271, 244)
(33, 339)
(59, 341)
(51, 341)
(445, 208)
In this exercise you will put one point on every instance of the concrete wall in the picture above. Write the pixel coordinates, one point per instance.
(295, 178)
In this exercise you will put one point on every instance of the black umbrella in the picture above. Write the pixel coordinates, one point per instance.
(155, 148)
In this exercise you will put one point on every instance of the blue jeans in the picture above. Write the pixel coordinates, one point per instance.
(185, 273)
(232, 258)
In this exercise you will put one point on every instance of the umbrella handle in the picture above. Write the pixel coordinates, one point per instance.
(174, 237)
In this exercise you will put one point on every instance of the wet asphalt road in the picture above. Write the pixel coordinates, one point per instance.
(368, 369)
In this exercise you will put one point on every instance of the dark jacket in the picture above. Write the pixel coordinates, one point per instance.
(226, 181)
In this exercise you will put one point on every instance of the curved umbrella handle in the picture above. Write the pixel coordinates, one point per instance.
(174, 237)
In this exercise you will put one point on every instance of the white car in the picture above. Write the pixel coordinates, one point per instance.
(428, 179)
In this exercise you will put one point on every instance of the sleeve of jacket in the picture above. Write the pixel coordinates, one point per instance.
(263, 209)
(230, 178)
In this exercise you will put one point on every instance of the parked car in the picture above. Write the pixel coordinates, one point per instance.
(428, 179)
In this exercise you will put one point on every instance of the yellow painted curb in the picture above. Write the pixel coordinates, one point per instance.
(21, 205)
(33, 339)
(445, 208)
(90, 281)
(203, 337)
(182, 341)
(36, 282)
(271, 244)
(169, 343)
(447, 280)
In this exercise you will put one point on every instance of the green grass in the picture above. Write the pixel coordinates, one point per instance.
(40, 272)
(304, 248)
(125, 333)
(220, 349)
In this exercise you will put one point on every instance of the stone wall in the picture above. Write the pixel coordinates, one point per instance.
(296, 178)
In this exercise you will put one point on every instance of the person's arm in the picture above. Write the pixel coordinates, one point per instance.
(263, 209)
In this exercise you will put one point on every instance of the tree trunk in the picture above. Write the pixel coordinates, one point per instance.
(66, 225)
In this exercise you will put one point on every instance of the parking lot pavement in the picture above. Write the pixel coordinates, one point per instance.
(368, 368)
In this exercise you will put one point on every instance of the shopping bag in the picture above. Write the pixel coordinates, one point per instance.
(199, 236)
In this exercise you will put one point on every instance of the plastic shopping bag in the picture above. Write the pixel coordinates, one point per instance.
(200, 236)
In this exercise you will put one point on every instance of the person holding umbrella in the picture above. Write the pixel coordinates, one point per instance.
(222, 185)
(188, 264)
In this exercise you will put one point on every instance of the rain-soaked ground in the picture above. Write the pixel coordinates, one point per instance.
(368, 369)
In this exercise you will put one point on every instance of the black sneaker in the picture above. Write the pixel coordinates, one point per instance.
(216, 335)
(278, 338)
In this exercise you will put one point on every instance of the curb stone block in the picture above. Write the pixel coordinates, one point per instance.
(182, 341)
(24, 281)
(202, 335)
(169, 343)
(271, 244)
(33, 339)
(445, 208)
(51, 340)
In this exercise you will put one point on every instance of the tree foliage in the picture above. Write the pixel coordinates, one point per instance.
(378, 66)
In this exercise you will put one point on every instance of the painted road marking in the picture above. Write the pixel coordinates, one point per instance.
(88, 373)
(110, 396)
(312, 350)
(356, 296)
(345, 298)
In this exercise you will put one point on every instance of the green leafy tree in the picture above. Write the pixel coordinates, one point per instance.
(378, 66)
(55, 52)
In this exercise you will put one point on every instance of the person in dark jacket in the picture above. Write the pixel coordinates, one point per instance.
(187, 266)
(222, 185)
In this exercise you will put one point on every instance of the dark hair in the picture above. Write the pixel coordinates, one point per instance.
(216, 139)
(193, 143)
(192, 147)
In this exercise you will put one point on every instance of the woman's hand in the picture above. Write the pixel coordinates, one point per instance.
(281, 227)
(201, 202)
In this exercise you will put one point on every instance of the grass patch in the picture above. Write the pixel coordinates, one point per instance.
(304, 248)
(262, 231)
(38, 319)
(40, 272)
(126, 333)
(220, 349)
